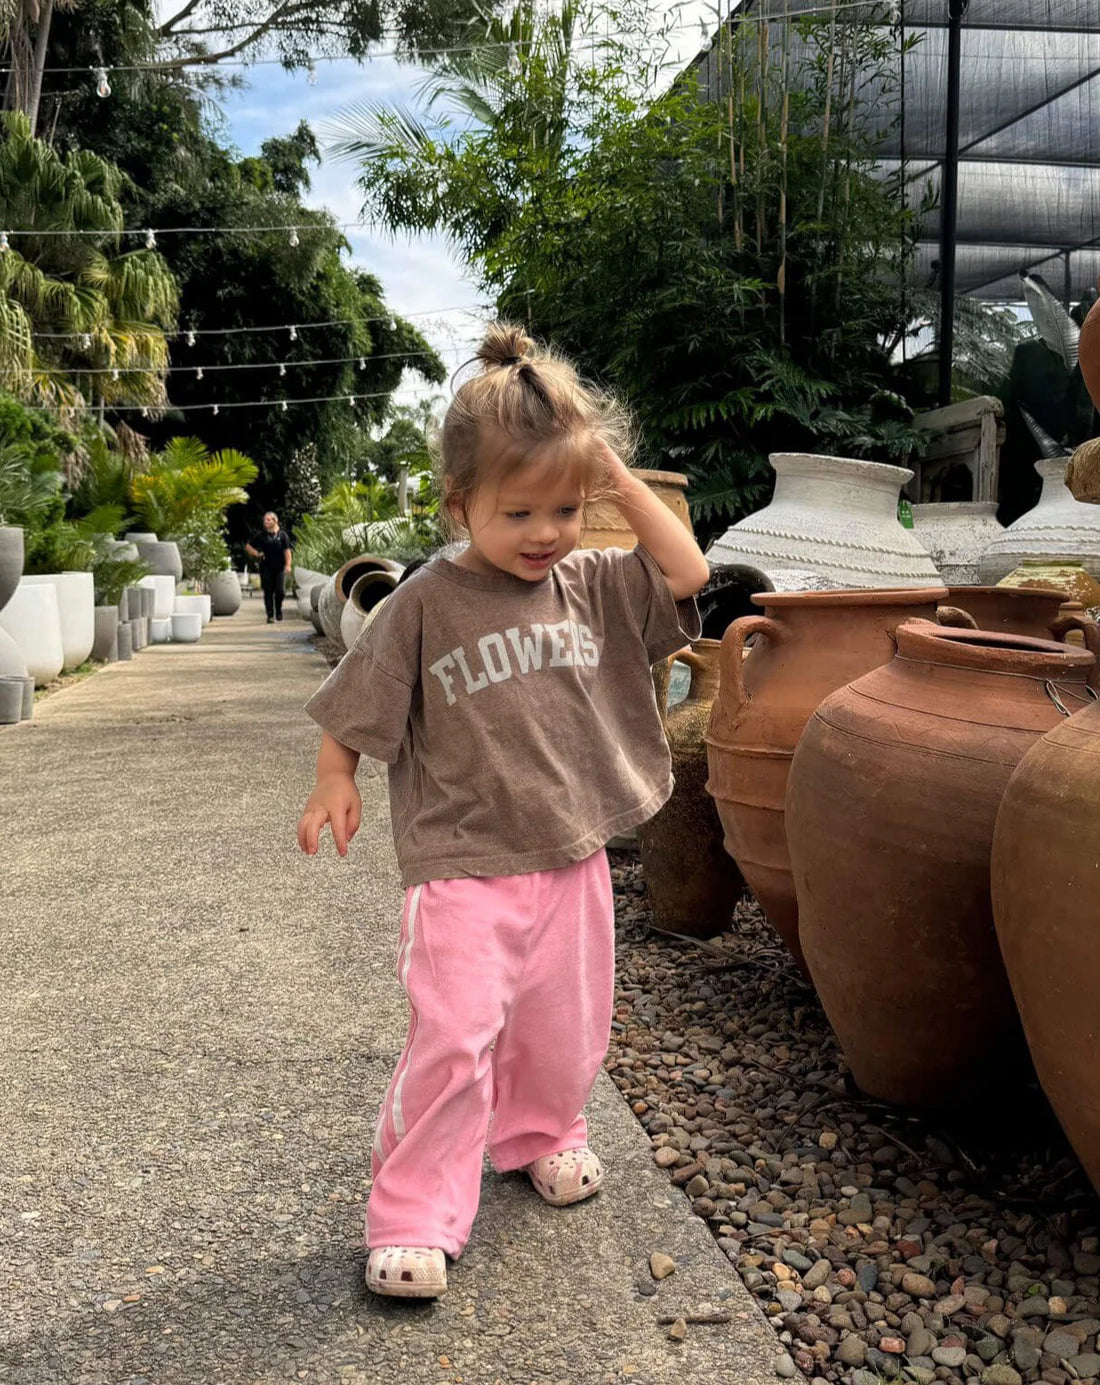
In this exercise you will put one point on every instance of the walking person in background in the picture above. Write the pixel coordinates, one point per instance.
(510, 692)
(272, 548)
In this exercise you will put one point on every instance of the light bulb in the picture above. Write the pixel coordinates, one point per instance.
(282, 368)
(294, 235)
(150, 240)
(215, 410)
(282, 405)
(4, 242)
(351, 398)
(102, 85)
(86, 341)
(362, 363)
(293, 333)
(514, 65)
(311, 74)
(144, 412)
(114, 373)
(198, 373)
(190, 338)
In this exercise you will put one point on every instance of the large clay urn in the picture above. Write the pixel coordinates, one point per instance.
(692, 883)
(893, 793)
(605, 526)
(1043, 613)
(1045, 871)
(808, 644)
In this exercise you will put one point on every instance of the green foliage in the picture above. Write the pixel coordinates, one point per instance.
(739, 315)
(358, 516)
(184, 494)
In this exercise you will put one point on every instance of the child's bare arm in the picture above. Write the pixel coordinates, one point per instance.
(674, 550)
(335, 798)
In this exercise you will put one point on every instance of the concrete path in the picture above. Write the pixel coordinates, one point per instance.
(197, 1025)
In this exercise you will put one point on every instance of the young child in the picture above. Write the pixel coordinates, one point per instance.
(510, 693)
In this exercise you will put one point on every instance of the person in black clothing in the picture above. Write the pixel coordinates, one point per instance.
(273, 549)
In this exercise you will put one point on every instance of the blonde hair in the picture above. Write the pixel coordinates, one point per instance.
(532, 398)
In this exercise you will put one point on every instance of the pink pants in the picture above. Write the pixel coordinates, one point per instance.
(510, 982)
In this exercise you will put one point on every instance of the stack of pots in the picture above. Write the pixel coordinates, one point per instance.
(334, 593)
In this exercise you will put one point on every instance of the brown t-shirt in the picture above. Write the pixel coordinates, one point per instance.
(518, 719)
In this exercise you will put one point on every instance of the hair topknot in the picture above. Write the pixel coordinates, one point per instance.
(541, 407)
(505, 344)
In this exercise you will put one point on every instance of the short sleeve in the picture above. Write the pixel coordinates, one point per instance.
(664, 623)
(285, 538)
(365, 702)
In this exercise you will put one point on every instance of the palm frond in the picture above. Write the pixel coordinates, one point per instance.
(1055, 326)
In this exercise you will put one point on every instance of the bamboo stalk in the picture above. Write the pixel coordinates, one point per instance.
(761, 130)
(784, 124)
(846, 185)
(739, 227)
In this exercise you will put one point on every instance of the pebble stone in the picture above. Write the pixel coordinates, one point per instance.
(971, 1243)
(661, 1265)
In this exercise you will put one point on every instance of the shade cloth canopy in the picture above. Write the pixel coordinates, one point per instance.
(1029, 133)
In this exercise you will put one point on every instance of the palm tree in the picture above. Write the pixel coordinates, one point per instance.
(517, 77)
(114, 303)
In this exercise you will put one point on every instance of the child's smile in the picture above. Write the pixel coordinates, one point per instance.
(525, 525)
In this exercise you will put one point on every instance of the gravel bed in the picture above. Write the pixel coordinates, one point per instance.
(881, 1245)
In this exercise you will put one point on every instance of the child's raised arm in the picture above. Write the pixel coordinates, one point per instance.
(659, 531)
(335, 798)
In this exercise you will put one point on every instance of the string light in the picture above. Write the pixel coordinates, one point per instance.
(86, 341)
(150, 239)
(283, 405)
(189, 334)
(282, 368)
(216, 410)
(198, 372)
(102, 85)
(4, 242)
(362, 363)
(293, 332)
(311, 73)
(114, 373)
(241, 404)
(190, 338)
(294, 236)
(515, 67)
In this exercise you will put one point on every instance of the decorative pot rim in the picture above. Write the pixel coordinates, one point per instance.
(854, 596)
(1014, 593)
(668, 478)
(955, 507)
(792, 463)
(991, 652)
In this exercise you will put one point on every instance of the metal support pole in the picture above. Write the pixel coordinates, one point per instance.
(950, 228)
(1067, 280)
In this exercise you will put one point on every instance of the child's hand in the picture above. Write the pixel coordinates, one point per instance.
(616, 474)
(334, 800)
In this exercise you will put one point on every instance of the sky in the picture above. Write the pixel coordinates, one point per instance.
(422, 278)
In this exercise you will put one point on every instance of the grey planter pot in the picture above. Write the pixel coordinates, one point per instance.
(162, 558)
(11, 701)
(314, 614)
(26, 692)
(123, 551)
(225, 593)
(329, 609)
(125, 642)
(139, 636)
(11, 561)
(148, 599)
(105, 645)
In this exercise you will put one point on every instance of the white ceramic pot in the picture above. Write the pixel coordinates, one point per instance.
(368, 592)
(956, 533)
(1059, 529)
(833, 516)
(354, 622)
(160, 629)
(301, 596)
(11, 560)
(12, 662)
(225, 593)
(329, 610)
(163, 587)
(186, 626)
(139, 536)
(76, 612)
(193, 603)
(31, 618)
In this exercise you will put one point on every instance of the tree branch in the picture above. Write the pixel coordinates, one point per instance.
(282, 11)
(165, 30)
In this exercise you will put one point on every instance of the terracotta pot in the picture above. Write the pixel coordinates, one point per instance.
(354, 568)
(1046, 863)
(604, 524)
(1083, 472)
(892, 798)
(809, 644)
(1042, 613)
(693, 884)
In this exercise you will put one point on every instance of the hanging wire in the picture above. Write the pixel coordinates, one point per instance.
(190, 333)
(145, 409)
(281, 366)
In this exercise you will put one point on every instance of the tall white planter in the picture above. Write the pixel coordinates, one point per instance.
(31, 618)
(833, 516)
(76, 612)
(1059, 529)
(956, 534)
(163, 588)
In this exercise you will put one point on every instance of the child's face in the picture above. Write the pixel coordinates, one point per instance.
(524, 524)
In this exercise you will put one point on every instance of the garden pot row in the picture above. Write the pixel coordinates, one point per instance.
(918, 809)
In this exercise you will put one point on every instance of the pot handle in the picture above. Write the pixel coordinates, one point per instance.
(734, 693)
(955, 618)
(1065, 621)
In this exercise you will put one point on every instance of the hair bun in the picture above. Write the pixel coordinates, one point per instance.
(505, 344)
